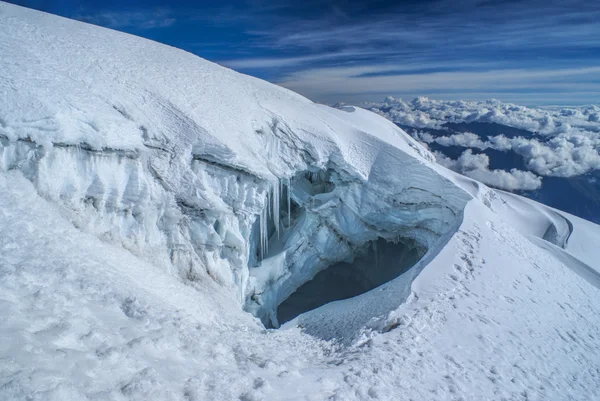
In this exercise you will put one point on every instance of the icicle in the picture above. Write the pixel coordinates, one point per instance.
(271, 209)
(264, 226)
(289, 203)
(268, 203)
(262, 235)
(275, 211)
(260, 229)
(266, 233)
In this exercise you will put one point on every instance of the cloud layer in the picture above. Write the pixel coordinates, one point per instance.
(563, 141)
(477, 166)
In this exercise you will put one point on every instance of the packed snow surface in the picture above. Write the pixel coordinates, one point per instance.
(157, 210)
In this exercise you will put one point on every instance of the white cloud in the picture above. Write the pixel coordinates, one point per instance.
(429, 113)
(512, 180)
(476, 166)
(562, 156)
(567, 142)
(465, 139)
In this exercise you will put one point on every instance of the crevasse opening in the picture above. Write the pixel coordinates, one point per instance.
(326, 235)
(283, 208)
(374, 264)
(269, 241)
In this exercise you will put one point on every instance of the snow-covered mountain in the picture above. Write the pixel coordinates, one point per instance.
(171, 229)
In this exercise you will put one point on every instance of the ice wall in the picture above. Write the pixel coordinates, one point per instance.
(334, 215)
(260, 237)
(206, 172)
(123, 198)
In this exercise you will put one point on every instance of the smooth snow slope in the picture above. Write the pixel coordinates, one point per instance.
(143, 215)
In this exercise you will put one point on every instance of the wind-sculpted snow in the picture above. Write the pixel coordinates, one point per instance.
(150, 199)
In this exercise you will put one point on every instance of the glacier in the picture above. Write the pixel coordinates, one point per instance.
(176, 230)
(208, 201)
(202, 213)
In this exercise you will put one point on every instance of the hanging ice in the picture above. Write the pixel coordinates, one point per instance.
(271, 210)
(275, 204)
(263, 232)
(289, 201)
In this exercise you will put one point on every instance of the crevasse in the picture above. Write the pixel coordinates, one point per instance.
(331, 216)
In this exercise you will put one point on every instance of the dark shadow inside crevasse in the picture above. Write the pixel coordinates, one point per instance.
(375, 264)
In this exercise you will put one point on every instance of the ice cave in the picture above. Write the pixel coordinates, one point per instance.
(376, 263)
(312, 244)
(283, 246)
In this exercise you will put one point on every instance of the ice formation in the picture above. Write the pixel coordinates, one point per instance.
(193, 196)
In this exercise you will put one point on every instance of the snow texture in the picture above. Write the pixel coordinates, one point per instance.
(156, 209)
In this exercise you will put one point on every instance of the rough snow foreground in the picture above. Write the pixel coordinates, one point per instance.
(150, 199)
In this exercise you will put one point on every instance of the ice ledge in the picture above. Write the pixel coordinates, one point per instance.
(260, 237)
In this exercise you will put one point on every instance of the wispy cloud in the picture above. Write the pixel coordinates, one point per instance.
(327, 84)
(447, 24)
(299, 61)
(351, 50)
(474, 47)
(143, 20)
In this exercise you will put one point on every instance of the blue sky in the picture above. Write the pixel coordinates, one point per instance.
(529, 52)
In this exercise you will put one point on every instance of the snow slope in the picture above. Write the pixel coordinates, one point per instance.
(152, 202)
